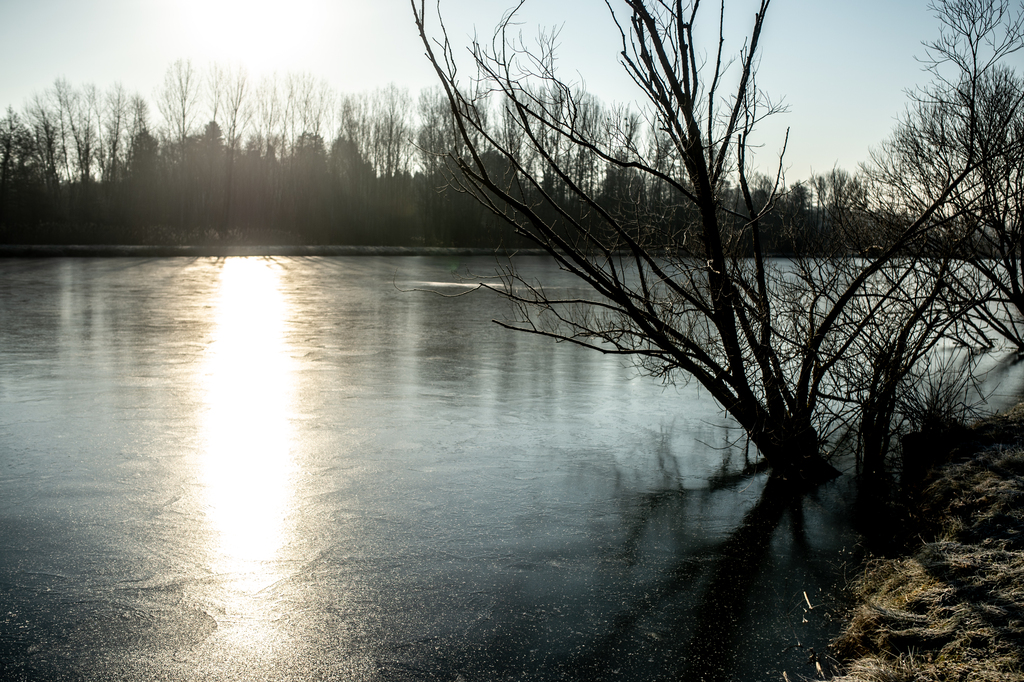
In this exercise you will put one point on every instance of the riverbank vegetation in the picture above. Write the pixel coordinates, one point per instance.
(954, 608)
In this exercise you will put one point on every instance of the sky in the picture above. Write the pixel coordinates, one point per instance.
(842, 68)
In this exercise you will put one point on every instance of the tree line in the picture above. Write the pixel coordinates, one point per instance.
(221, 159)
(283, 161)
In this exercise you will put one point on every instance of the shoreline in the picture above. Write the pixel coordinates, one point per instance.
(225, 251)
(266, 251)
(953, 607)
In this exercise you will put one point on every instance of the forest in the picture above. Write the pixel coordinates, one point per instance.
(222, 160)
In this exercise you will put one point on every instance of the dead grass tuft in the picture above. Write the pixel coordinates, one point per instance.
(955, 609)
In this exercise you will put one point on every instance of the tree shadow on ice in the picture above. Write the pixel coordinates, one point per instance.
(697, 609)
(713, 643)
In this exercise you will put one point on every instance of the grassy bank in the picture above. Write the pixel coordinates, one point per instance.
(954, 609)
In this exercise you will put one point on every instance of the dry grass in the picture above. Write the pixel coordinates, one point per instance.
(955, 609)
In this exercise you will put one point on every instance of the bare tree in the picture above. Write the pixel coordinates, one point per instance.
(14, 138)
(391, 131)
(115, 138)
(84, 120)
(216, 89)
(230, 96)
(62, 97)
(178, 102)
(297, 87)
(49, 141)
(971, 115)
(179, 99)
(996, 254)
(268, 115)
(687, 289)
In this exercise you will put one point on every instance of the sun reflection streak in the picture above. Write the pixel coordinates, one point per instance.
(247, 465)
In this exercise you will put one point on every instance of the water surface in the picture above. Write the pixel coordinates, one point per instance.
(291, 468)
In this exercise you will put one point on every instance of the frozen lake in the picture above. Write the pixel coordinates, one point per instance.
(253, 468)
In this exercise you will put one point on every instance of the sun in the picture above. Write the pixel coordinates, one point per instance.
(260, 35)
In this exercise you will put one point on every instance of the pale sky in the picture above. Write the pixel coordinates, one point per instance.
(841, 66)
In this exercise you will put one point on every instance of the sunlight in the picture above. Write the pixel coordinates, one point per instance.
(261, 35)
(248, 466)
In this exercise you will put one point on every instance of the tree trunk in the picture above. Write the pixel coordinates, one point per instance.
(792, 450)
